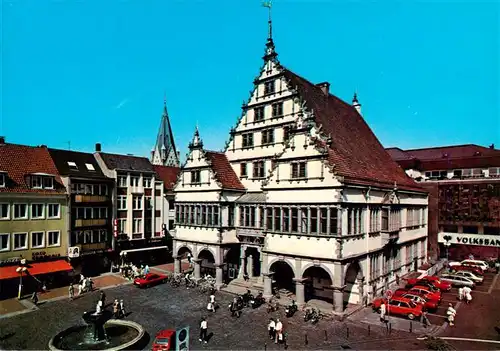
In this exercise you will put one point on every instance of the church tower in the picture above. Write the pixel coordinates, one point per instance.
(164, 152)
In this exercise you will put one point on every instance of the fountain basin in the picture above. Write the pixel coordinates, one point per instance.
(121, 335)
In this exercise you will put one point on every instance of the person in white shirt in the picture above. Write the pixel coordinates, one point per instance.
(212, 301)
(382, 312)
(203, 330)
(279, 329)
(460, 294)
(270, 327)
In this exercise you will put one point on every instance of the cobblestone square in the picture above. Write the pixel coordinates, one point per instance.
(164, 307)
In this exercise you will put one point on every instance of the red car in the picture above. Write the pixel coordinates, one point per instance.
(164, 340)
(477, 271)
(420, 290)
(433, 280)
(399, 306)
(419, 299)
(150, 279)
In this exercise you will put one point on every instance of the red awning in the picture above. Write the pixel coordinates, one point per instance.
(36, 268)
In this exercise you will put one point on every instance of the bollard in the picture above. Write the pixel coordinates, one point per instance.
(411, 327)
(306, 342)
(347, 332)
(265, 346)
(390, 328)
(326, 336)
(368, 329)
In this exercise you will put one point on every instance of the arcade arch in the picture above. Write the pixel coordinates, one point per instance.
(317, 284)
(352, 291)
(283, 275)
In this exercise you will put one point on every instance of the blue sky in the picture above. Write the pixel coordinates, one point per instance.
(426, 72)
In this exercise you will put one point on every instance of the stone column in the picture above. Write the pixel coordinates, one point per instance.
(219, 276)
(177, 264)
(250, 265)
(363, 299)
(241, 271)
(338, 298)
(197, 268)
(268, 282)
(299, 291)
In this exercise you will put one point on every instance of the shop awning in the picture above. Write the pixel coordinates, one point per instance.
(36, 268)
(145, 249)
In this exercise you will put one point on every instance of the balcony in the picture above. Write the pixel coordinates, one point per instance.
(250, 235)
(90, 222)
(90, 198)
(389, 236)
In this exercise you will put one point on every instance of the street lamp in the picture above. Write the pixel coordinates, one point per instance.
(21, 269)
(447, 244)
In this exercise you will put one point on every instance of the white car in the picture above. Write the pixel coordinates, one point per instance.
(474, 263)
(470, 275)
(458, 281)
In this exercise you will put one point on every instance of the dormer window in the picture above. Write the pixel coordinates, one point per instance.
(48, 183)
(269, 87)
(72, 166)
(90, 167)
(2, 180)
(37, 182)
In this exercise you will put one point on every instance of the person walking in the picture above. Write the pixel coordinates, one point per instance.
(451, 312)
(122, 309)
(467, 294)
(460, 293)
(116, 309)
(382, 312)
(103, 298)
(424, 319)
(203, 330)
(34, 298)
(80, 288)
(71, 291)
(270, 327)
(279, 329)
(497, 266)
(212, 301)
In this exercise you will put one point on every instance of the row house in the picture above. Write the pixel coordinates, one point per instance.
(303, 197)
(464, 188)
(33, 220)
(138, 205)
(90, 195)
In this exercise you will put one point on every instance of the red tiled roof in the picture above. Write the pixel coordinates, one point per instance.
(168, 175)
(355, 151)
(223, 170)
(453, 151)
(19, 161)
(397, 154)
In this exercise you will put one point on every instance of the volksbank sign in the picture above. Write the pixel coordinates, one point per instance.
(470, 239)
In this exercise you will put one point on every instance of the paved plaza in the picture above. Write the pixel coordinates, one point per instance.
(163, 307)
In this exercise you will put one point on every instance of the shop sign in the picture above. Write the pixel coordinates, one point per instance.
(11, 260)
(471, 239)
(115, 227)
(42, 255)
(74, 251)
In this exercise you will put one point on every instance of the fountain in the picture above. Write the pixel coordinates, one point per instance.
(99, 333)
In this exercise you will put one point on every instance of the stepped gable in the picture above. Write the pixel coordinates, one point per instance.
(20, 161)
(168, 175)
(355, 151)
(224, 173)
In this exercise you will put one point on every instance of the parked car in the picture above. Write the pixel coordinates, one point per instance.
(458, 281)
(475, 263)
(150, 279)
(399, 305)
(476, 270)
(419, 299)
(422, 291)
(430, 281)
(164, 340)
(475, 278)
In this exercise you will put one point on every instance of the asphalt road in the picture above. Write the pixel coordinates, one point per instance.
(164, 307)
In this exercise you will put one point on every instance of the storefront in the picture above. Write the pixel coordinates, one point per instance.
(92, 259)
(459, 246)
(153, 251)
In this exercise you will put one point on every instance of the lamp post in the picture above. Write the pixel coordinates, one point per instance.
(21, 269)
(447, 244)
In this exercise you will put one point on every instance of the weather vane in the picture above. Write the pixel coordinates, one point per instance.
(268, 4)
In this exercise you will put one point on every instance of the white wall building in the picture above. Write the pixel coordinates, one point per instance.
(303, 197)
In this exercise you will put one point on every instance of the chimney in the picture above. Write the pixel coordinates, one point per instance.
(492, 146)
(97, 147)
(325, 87)
(2, 140)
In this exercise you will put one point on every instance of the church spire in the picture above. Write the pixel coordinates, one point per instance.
(165, 153)
(270, 49)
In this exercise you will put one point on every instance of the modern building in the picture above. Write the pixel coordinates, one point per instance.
(464, 205)
(90, 214)
(303, 196)
(33, 219)
(164, 152)
(138, 206)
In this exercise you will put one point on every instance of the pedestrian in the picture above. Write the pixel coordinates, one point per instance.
(424, 319)
(34, 298)
(270, 328)
(122, 309)
(382, 312)
(203, 330)
(80, 288)
(460, 293)
(212, 300)
(71, 291)
(468, 297)
(279, 329)
(451, 312)
(103, 298)
(116, 308)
